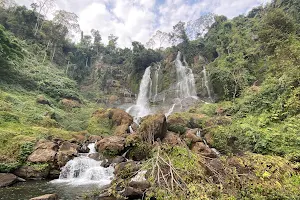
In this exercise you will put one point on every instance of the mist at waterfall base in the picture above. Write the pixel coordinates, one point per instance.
(179, 97)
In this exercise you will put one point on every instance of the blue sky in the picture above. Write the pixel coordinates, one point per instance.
(137, 20)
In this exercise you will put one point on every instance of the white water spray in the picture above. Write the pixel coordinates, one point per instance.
(84, 170)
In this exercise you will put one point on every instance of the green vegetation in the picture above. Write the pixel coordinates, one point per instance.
(49, 88)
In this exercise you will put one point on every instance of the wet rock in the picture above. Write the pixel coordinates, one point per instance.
(32, 172)
(153, 127)
(83, 148)
(203, 149)
(113, 145)
(118, 160)
(44, 152)
(191, 135)
(95, 156)
(46, 197)
(67, 151)
(172, 139)
(105, 163)
(54, 174)
(7, 179)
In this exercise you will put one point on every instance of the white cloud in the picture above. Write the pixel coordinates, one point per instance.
(132, 20)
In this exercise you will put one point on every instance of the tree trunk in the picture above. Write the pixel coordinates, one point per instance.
(53, 54)
(46, 51)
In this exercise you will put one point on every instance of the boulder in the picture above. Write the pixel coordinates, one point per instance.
(83, 148)
(32, 172)
(180, 122)
(95, 138)
(153, 127)
(42, 100)
(110, 121)
(191, 136)
(112, 145)
(46, 197)
(44, 152)
(67, 151)
(201, 148)
(7, 179)
(172, 139)
(70, 103)
(107, 196)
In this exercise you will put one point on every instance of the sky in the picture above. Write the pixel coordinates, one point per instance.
(138, 20)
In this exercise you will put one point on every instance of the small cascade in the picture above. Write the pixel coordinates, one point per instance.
(156, 81)
(84, 170)
(170, 110)
(141, 108)
(185, 79)
(131, 130)
(206, 83)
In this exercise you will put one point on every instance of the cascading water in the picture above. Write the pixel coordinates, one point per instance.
(185, 87)
(84, 170)
(156, 81)
(185, 80)
(141, 108)
(206, 84)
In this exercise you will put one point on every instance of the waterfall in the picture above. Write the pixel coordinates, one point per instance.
(185, 87)
(141, 108)
(84, 170)
(185, 79)
(156, 80)
(206, 84)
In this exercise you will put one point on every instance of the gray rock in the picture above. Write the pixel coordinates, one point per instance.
(7, 179)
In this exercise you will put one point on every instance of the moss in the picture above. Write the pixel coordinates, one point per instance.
(179, 122)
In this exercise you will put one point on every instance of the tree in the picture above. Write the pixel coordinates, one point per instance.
(7, 3)
(200, 26)
(68, 20)
(160, 38)
(97, 40)
(112, 41)
(277, 27)
(42, 7)
(178, 35)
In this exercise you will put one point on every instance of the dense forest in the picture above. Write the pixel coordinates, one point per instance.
(53, 88)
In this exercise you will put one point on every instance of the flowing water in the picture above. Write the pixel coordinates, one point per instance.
(206, 83)
(142, 107)
(80, 176)
(156, 81)
(185, 80)
(84, 170)
(185, 91)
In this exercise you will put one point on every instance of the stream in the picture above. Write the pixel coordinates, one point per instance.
(30, 189)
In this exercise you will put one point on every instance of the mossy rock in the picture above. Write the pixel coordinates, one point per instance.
(153, 127)
(109, 122)
(180, 122)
